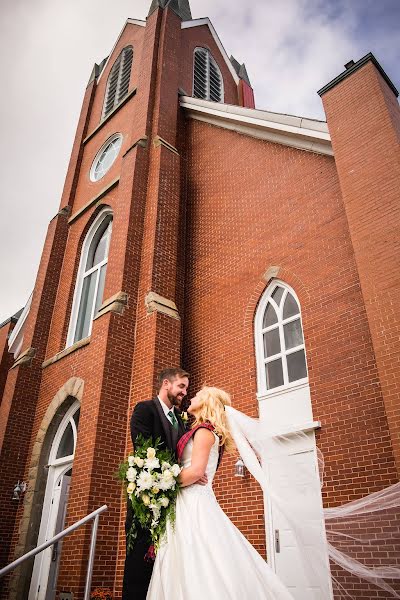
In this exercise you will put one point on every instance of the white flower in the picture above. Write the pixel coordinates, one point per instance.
(155, 509)
(165, 465)
(152, 463)
(166, 481)
(175, 469)
(164, 501)
(167, 475)
(139, 462)
(131, 461)
(155, 490)
(151, 453)
(145, 499)
(131, 474)
(145, 481)
(131, 487)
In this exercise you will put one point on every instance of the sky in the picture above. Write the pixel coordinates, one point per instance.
(291, 48)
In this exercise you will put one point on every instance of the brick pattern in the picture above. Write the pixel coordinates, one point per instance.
(364, 121)
(293, 217)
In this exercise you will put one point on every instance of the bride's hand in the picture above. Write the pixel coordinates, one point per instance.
(203, 480)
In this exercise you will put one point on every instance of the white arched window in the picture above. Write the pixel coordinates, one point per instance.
(280, 350)
(207, 78)
(118, 80)
(89, 287)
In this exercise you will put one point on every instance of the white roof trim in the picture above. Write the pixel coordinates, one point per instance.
(288, 130)
(130, 22)
(206, 21)
(16, 338)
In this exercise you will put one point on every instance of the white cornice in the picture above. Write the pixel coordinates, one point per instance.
(130, 22)
(207, 22)
(16, 338)
(297, 132)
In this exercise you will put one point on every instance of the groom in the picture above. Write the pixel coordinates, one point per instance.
(153, 418)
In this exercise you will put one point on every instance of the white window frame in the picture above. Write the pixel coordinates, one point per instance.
(259, 330)
(82, 273)
(67, 419)
(108, 141)
(209, 58)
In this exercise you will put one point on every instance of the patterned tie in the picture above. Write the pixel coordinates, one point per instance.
(174, 420)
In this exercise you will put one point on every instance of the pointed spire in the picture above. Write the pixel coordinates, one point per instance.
(180, 7)
(240, 70)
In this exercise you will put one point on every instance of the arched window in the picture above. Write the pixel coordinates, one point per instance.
(118, 80)
(207, 78)
(91, 277)
(64, 444)
(280, 347)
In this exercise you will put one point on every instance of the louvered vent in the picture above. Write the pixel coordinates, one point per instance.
(207, 79)
(118, 80)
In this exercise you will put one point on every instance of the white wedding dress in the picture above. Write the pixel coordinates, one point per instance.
(204, 556)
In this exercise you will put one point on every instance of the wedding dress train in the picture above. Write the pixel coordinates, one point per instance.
(205, 557)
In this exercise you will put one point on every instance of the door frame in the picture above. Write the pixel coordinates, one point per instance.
(57, 467)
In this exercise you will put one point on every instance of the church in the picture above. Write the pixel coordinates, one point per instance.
(259, 251)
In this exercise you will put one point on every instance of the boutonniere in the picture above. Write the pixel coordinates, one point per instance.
(184, 417)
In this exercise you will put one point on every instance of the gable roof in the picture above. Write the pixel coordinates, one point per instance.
(206, 21)
(289, 130)
(127, 22)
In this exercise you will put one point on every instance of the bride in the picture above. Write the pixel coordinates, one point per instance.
(204, 555)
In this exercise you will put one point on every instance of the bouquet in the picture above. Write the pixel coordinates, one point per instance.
(151, 479)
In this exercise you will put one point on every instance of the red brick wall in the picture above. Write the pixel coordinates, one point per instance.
(364, 121)
(253, 204)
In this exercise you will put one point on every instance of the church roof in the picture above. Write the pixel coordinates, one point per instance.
(289, 130)
(180, 7)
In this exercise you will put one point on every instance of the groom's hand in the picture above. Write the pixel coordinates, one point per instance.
(203, 480)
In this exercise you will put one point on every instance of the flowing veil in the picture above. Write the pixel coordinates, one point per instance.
(362, 537)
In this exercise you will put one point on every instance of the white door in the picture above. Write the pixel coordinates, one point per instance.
(59, 526)
(297, 544)
(45, 568)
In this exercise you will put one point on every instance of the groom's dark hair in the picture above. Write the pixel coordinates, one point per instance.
(171, 373)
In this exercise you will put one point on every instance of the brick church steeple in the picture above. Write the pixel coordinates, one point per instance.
(180, 7)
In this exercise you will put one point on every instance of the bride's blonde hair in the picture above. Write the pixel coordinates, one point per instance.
(212, 409)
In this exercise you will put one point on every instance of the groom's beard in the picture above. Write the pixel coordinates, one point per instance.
(175, 400)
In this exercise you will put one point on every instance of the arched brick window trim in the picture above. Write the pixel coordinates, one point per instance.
(66, 396)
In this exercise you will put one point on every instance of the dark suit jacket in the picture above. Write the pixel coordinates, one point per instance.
(148, 418)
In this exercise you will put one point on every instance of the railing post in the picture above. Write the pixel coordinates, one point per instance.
(91, 558)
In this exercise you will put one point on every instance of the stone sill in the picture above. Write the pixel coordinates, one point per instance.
(112, 113)
(66, 352)
(94, 200)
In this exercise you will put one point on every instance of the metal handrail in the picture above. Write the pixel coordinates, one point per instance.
(93, 515)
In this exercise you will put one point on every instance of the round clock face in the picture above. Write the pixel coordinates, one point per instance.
(105, 157)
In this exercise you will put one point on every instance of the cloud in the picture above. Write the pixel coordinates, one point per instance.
(47, 49)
